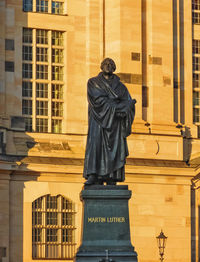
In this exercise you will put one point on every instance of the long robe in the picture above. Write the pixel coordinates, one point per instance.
(106, 148)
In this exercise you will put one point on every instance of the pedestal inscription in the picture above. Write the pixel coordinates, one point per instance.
(105, 232)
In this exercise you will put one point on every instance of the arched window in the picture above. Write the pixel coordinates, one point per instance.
(53, 228)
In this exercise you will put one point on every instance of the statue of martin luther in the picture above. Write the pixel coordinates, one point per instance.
(110, 115)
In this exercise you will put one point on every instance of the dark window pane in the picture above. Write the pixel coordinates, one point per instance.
(41, 125)
(9, 66)
(27, 5)
(57, 73)
(51, 202)
(9, 44)
(27, 53)
(41, 54)
(42, 108)
(27, 70)
(27, 35)
(57, 109)
(42, 6)
(52, 218)
(67, 235)
(27, 89)
(57, 91)
(56, 126)
(41, 36)
(27, 107)
(57, 7)
(28, 124)
(41, 72)
(51, 235)
(57, 38)
(41, 90)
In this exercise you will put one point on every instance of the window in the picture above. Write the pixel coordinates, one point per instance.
(26, 107)
(196, 46)
(42, 90)
(57, 38)
(53, 228)
(196, 17)
(27, 70)
(41, 36)
(27, 35)
(196, 76)
(57, 91)
(42, 108)
(27, 89)
(9, 66)
(56, 126)
(27, 5)
(42, 54)
(9, 44)
(57, 7)
(28, 124)
(44, 6)
(43, 79)
(195, 4)
(41, 71)
(41, 125)
(196, 98)
(57, 109)
(57, 55)
(57, 73)
(196, 80)
(196, 63)
(196, 115)
(27, 53)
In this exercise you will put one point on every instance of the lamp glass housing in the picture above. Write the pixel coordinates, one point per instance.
(161, 241)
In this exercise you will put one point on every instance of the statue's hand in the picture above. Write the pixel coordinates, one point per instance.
(134, 101)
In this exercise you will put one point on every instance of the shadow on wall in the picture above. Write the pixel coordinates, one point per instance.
(187, 144)
(14, 147)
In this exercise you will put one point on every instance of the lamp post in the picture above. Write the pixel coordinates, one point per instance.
(161, 240)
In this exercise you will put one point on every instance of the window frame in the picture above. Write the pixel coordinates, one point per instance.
(58, 237)
(48, 74)
(54, 7)
(195, 5)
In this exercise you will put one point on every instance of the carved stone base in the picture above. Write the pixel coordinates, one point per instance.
(106, 232)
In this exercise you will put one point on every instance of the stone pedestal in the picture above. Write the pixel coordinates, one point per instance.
(105, 229)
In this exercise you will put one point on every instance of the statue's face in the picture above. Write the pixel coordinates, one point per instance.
(108, 67)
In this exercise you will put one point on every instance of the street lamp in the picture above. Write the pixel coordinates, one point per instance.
(161, 240)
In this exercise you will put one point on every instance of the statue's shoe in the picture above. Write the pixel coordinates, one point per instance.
(91, 180)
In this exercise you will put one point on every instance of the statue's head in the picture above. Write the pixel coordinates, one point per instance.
(108, 66)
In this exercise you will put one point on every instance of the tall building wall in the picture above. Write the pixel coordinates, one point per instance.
(48, 52)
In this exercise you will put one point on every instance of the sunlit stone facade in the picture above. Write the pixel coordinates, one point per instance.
(48, 50)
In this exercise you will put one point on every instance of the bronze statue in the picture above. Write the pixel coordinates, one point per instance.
(111, 113)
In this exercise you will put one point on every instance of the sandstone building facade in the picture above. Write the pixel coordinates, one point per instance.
(48, 50)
